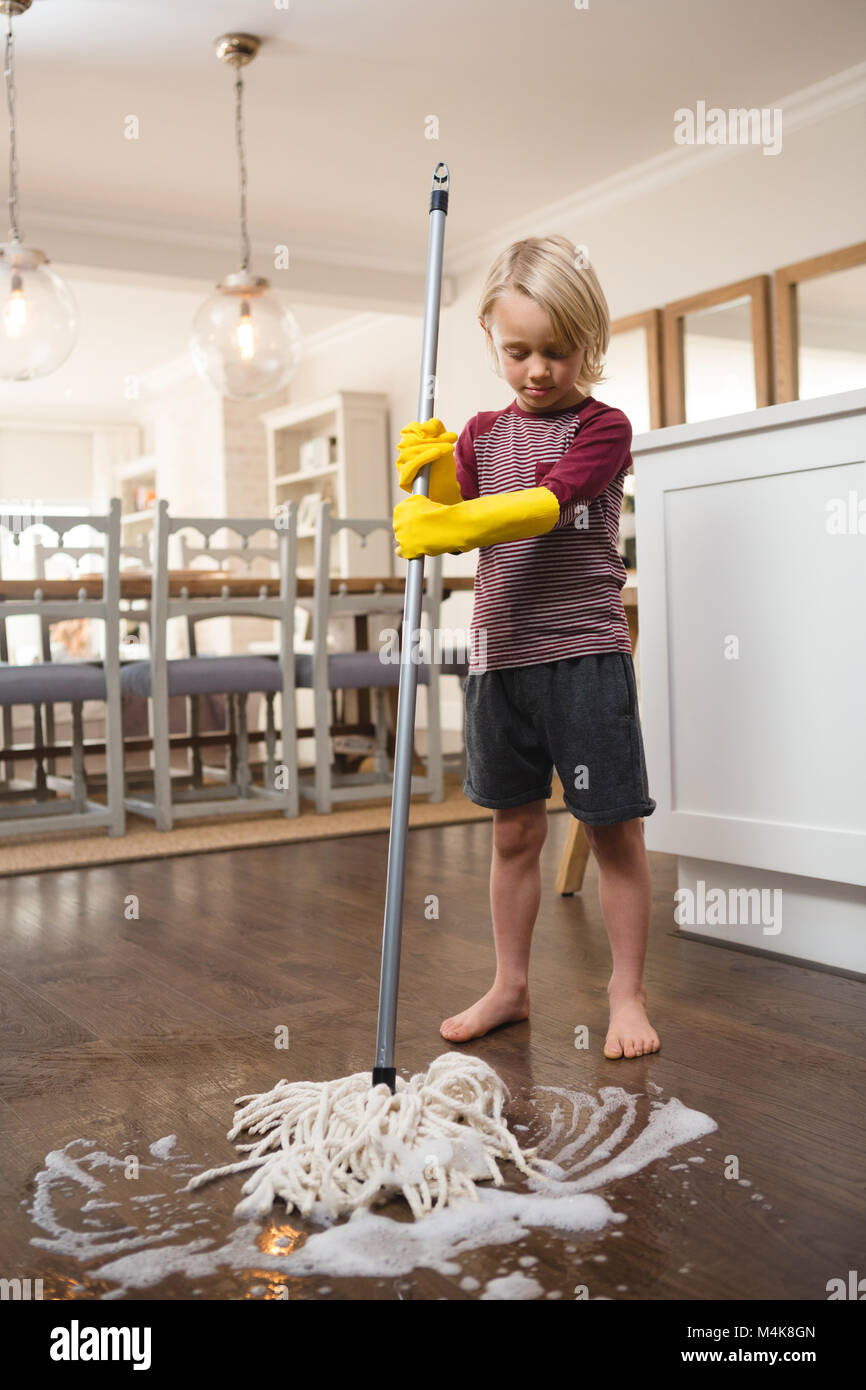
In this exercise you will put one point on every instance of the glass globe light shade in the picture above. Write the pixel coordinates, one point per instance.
(38, 315)
(244, 341)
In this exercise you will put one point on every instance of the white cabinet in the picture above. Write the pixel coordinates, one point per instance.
(751, 559)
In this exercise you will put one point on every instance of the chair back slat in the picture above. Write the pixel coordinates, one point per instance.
(195, 609)
(327, 605)
(106, 606)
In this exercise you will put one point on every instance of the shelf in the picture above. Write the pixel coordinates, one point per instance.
(136, 468)
(302, 477)
(291, 416)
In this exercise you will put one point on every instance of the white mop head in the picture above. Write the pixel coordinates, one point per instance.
(341, 1145)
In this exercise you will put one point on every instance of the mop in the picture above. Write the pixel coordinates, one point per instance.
(330, 1148)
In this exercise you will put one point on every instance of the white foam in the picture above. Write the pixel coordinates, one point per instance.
(369, 1245)
(584, 1149)
(513, 1286)
(163, 1147)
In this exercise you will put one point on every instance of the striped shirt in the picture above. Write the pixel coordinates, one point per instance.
(558, 595)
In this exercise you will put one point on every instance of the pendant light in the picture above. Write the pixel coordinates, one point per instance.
(38, 317)
(244, 341)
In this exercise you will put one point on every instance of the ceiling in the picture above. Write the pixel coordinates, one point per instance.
(536, 100)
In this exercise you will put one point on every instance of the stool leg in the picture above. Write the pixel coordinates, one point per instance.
(574, 859)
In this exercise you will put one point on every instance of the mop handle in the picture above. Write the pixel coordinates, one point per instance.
(384, 1069)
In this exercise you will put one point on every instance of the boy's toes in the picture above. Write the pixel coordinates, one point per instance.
(453, 1030)
(615, 1048)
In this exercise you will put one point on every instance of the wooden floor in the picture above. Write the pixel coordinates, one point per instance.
(122, 1031)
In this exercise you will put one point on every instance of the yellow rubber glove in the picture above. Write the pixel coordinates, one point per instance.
(431, 443)
(422, 527)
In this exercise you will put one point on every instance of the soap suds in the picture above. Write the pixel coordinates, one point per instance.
(585, 1143)
(513, 1286)
(163, 1147)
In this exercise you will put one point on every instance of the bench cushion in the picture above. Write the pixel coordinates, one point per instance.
(355, 671)
(206, 675)
(47, 682)
(229, 675)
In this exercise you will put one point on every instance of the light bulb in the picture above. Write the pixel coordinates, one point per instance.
(39, 322)
(15, 312)
(244, 333)
(242, 359)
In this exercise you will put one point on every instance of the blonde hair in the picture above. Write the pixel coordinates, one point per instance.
(550, 271)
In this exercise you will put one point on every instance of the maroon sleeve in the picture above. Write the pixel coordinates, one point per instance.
(467, 465)
(600, 451)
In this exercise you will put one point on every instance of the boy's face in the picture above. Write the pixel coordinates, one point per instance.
(522, 335)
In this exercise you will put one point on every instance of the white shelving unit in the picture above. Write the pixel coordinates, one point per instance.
(348, 435)
(128, 478)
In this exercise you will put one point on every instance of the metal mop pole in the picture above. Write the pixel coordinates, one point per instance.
(384, 1069)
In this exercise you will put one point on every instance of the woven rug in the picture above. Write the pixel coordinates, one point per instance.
(40, 853)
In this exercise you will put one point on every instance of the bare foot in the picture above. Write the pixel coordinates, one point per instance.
(630, 1033)
(499, 1005)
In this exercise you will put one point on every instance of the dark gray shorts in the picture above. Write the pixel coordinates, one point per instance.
(580, 715)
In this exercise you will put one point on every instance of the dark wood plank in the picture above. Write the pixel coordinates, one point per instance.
(122, 1031)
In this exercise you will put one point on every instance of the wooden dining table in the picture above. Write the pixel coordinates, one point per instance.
(191, 583)
(138, 584)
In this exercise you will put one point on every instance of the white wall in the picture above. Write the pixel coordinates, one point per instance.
(49, 466)
(185, 432)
